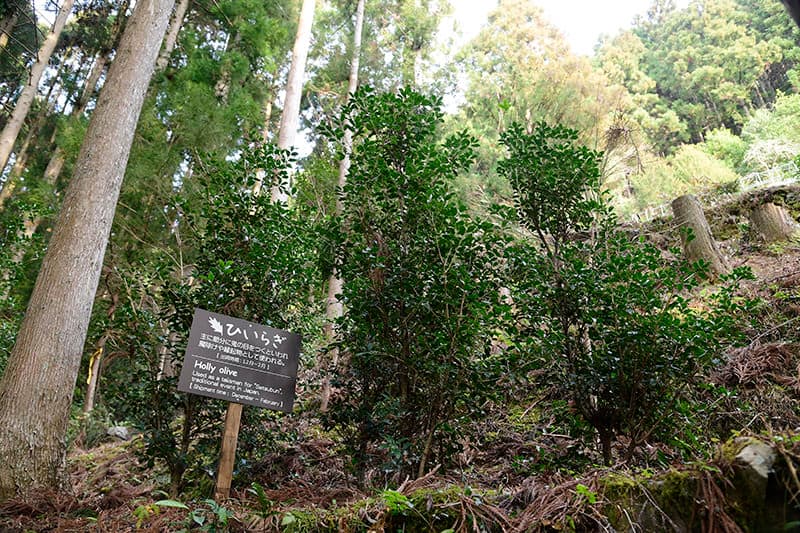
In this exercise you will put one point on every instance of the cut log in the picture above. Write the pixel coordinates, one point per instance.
(702, 246)
(773, 222)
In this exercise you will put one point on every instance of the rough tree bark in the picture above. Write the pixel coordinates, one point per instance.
(689, 215)
(773, 222)
(36, 389)
(333, 307)
(12, 128)
(290, 118)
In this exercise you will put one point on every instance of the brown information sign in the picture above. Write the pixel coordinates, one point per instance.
(239, 361)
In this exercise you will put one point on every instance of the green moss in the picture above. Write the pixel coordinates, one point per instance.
(732, 447)
(424, 510)
(524, 418)
(675, 490)
(672, 491)
(618, 486)
(303, 520)
(437, 509)
(620, 491)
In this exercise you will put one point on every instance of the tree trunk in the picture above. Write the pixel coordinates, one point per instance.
(267, 117)
(773, 222)
(606, 446)
(171, 39)
(22, 156)
(290, 118)
(95, 364)
(261, 174)
(36, 389)
(689, 216)
(57, 160)
(6, 27)
(333, 307)
(98, 67)
(12, 128)
(166, 368)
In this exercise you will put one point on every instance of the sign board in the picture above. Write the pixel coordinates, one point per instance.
(239, 361)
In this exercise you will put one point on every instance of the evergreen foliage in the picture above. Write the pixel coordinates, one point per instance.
(249, 258)
(421, 289)
(603, 315)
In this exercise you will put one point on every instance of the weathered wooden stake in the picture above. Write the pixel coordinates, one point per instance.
(227, 456)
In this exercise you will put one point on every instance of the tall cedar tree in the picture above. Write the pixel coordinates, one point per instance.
(36, 389)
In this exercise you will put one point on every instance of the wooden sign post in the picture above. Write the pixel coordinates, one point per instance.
(227, 454)
(244, 363)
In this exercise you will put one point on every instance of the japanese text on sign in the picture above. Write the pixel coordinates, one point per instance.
(240, 361)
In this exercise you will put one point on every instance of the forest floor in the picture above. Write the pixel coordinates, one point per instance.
(520, 472)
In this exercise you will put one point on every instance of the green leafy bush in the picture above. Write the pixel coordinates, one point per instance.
(20, 255)
(420, 288)
(608, 320)
(782, 121)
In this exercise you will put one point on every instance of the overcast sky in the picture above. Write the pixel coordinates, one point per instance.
(581, 21)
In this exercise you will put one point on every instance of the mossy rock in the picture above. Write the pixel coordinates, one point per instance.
(661, 503)
(437, 509)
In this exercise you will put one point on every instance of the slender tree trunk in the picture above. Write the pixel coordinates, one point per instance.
(426, 452)
(36, 389)
(57, 160)
(606, 446)
(261, 174)
(689, 215)
(6, 27)
(22, 156)
(223, 85)
(95, 364)
(290, 118)
(333, 307)
(12, 128)
(773, 222)
(267, 117)
(165, 364)
(98, 67)
(171, 38)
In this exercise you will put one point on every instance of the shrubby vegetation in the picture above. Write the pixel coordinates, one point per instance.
(607, 323)
(421, 289)
(602, 314)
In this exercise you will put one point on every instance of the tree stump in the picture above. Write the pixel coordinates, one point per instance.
(689, 214)
(773, 222)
